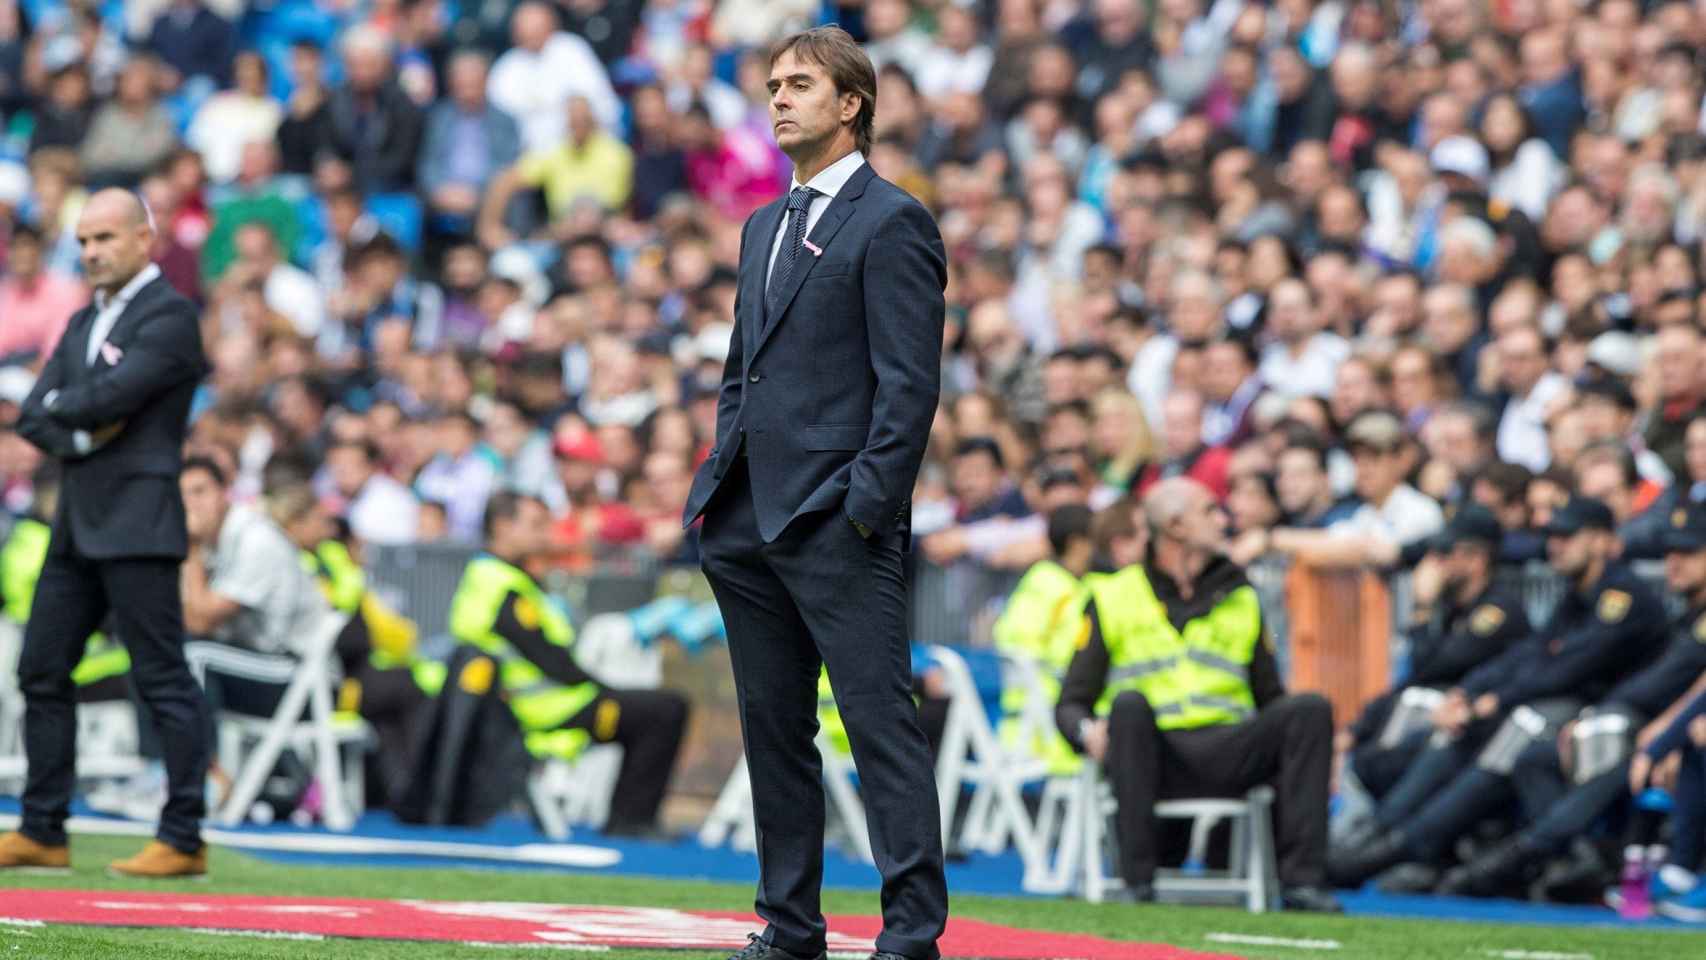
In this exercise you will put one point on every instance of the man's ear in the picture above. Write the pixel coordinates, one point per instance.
(851, 104)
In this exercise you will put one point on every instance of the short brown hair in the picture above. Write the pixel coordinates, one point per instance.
(833, 49)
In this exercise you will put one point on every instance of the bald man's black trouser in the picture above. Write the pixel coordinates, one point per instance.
(1288, 744)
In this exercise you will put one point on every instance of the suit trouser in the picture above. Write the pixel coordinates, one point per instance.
(819, 594)
(1688, 821)
(1288, 743)
(648, 724)
(72, 597)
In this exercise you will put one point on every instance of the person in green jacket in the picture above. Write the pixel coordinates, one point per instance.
(1039, 625)
(101, 674)
(499, 608)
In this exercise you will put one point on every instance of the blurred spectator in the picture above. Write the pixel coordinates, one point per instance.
(36, 304)
(228, 120)
(467, 142)
(588, 164)
(193, 41)
(1305, 356)
(458, 476)
(62, 119)
(130, 134)
(288, 290)
(1183, 452)
(373, 126)
(305, 134)
(379, 510)
(534, 80)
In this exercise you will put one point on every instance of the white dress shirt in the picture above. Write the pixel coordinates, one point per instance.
(109, 309)
(1522, 428)
(827, 183)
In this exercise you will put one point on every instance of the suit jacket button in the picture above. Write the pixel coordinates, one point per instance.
(754, 378)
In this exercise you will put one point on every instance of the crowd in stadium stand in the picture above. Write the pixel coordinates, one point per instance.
(1353, 265)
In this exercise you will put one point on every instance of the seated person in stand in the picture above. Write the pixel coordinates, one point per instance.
(499, 608)
(1176, 692)
(1607, 627)
(1459, 620)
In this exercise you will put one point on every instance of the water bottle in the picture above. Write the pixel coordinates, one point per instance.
(1637, 899)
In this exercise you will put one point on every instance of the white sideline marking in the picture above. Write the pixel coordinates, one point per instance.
(1248, 940)
(553, 854)
(15, 922)
(258, 934)
(1537, 955)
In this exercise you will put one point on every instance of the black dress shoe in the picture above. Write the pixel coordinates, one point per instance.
(1408, 878)
(757, 948)
(1351, 868)
(1497, 872)
(1580, 876)
(1310, 900)
(1142, 893)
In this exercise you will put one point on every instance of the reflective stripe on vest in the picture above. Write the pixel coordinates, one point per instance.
(538, 702)
(1197, 677)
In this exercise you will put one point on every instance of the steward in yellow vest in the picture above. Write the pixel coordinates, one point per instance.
(500, 608)
(1175, 691)
(100, 675)
(383, 679)
(1040, 625)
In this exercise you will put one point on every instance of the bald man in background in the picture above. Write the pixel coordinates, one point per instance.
(1175, 691)
(113, 404)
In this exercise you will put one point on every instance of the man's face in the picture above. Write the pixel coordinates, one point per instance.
(1181, 424)
(1292, 313)
(1694, 451)
(1685, 571)
(806, 111)
(1445, 321)
(23, 261)
(349, 468)
(1202, 525)
(1377, 473)
(114, 246)
(1224, 368)
(976, 479)
(1523, 360)
(1301, 482)
(1572, 553)
(204, 505)
(529, 532)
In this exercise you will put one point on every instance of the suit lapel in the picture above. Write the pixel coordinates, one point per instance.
(824, 231)
(755, 273)
(137, 306)
(77, 339)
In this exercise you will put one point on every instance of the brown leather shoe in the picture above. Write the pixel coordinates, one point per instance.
(161, 861)
(20, 853)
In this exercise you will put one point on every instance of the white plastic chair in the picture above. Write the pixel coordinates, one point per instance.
(304, 721)
(566, 793)
(107, 736)
(972, 753)
(1251, 874)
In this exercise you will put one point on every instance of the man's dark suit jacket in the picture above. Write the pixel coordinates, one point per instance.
(121, 499)
(835, 392)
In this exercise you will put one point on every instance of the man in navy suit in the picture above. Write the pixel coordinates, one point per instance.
(113, 402)
(832, 380)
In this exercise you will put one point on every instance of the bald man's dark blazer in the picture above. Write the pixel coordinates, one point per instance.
(121, 499)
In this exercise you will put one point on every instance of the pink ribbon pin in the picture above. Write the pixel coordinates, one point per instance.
(816, 250)
(111, 354)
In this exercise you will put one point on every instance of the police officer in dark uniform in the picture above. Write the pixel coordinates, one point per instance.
(1609, 625)
(1461, 619)
(1567, 783)
(501, 609)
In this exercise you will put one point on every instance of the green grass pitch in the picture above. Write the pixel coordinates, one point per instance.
(1358, 938)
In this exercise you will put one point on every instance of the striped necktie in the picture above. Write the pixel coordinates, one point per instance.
(799, 202)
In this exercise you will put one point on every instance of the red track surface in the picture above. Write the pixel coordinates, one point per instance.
(534, 923)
